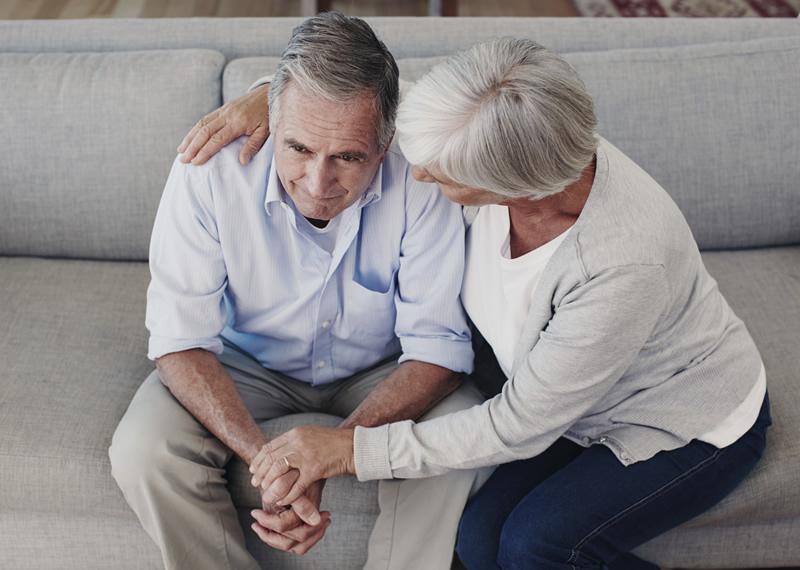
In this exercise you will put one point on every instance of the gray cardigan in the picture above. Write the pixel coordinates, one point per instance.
(628, 343)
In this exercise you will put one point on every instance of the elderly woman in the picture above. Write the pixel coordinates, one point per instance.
(632, 399)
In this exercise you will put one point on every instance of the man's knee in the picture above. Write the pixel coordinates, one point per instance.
(155, 432)
(138, 450)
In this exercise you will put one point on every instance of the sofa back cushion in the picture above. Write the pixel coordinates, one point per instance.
(715, 124)
(88, 140)
(405, 36)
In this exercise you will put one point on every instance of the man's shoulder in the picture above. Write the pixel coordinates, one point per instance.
(223, 172)
(227, 159)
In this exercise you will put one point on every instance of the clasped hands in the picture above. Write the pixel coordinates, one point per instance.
(290, 471)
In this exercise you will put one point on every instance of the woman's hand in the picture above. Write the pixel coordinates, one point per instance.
(316, 452)
(247, 115)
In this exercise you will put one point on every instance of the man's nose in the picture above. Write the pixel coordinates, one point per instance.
(320, 177)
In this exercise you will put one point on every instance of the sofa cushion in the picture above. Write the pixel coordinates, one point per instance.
(240, 74)
(763, 288)
(73, 346)
(88, 140)
(713, 124)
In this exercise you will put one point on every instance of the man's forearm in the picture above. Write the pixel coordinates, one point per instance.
(199, 382)
(406, 394)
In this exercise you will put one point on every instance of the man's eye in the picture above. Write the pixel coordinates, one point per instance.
(349, 158)
(297, 148)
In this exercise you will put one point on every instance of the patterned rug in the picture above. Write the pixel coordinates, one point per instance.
(689, 8)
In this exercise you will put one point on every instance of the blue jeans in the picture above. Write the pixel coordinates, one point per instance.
(574, 507)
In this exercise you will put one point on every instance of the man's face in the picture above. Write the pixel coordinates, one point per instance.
(326, 153)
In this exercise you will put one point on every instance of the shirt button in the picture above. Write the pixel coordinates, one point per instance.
(603, 439)
(326, 324)
(321, 364)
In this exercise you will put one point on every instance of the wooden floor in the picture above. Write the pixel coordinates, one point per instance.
(62, 9)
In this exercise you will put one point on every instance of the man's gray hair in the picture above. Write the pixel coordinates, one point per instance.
(339, 57)
(507, 116)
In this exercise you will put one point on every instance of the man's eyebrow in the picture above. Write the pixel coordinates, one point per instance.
(360, 155)
(294, 142)
(353, 153)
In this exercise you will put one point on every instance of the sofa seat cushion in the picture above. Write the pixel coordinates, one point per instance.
(72, 344)
(72, 347)
(763, 288)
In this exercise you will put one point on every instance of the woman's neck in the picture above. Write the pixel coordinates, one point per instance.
(534, 223)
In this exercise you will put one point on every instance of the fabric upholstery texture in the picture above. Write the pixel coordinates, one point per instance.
(711, 126)
(88, 141)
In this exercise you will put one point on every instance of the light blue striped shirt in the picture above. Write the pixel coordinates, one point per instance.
(229, 258)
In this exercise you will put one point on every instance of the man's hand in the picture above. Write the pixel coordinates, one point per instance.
(292, 530)
(247, 115)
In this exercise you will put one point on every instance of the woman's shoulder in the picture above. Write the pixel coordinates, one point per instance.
(629, 218)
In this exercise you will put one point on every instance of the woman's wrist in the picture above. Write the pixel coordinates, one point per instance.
(350, 463)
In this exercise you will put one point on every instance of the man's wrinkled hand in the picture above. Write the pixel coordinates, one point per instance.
(247, 115)
(296, 529)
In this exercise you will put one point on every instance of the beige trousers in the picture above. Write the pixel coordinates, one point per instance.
(172, 473)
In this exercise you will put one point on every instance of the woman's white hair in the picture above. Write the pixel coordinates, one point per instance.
(507, 116)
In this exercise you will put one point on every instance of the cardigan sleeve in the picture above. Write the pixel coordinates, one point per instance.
(593, 337)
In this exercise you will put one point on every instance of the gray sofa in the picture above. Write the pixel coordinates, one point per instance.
(90, 115)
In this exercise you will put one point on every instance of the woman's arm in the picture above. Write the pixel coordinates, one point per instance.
(594, 336)
(592, 339)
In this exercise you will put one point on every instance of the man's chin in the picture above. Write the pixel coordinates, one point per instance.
(318, 215)
(319, 212)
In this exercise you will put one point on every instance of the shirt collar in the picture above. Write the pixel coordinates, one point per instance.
(275, 191)
(373, 193)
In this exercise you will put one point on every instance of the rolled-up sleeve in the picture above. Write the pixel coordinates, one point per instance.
(185, 304)
(431, 323)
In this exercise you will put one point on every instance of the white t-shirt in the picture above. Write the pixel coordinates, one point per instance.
(497, 290)
(497, 293)
(323, 237)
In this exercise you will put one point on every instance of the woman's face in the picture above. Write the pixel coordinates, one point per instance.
(457, 193)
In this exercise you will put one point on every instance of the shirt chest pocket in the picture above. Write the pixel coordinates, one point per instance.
(369, 308)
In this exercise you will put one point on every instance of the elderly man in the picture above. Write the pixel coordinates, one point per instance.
(319, 277)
